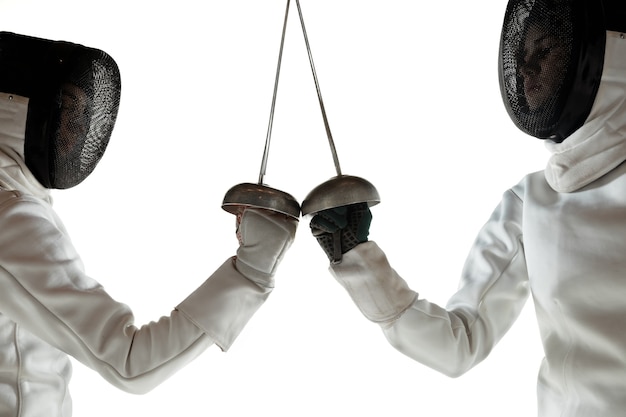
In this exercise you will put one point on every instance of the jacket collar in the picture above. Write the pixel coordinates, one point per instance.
(599, 145)
(14, 175)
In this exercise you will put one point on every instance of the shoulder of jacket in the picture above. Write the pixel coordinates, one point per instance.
(8, 195)
(531, 181)
(12, 197)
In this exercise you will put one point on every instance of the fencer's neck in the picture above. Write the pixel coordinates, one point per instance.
(599, 145)
(14, 174)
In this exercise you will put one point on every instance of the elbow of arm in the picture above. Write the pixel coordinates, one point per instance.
(450, 365)
(455, 371)
(136, 390)
(140, 375)
(451, 357)
(136, 385)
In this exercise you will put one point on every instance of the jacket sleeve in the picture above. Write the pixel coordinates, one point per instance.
(491, 295)
(46, 291)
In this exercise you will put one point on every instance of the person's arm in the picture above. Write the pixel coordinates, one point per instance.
(493, 290)
(46, 291)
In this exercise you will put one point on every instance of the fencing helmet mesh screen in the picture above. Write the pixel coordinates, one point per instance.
(74, 95)
(551, 58)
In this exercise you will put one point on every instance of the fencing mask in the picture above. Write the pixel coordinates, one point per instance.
(73, 93)
(551, 61)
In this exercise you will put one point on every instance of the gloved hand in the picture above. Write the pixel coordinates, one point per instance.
(340, 229)
(264, 238)
(225, 302)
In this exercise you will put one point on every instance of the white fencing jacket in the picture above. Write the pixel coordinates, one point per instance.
(558, 235)
(49, 307)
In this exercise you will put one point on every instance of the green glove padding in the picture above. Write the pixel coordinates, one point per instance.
(340, 229)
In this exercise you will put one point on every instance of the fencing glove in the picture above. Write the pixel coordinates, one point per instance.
(264, 237)
(225, 302)
(340, 229)
(374, 286)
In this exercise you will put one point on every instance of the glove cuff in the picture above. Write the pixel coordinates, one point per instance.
(265, 238)
(224, 304)
(377, 290)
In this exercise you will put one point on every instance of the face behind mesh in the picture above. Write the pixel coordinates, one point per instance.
(537, 63)
(85, 112)
(74, 93)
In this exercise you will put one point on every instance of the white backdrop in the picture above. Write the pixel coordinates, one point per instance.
(412, 97)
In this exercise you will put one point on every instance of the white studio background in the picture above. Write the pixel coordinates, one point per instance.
(413, 101)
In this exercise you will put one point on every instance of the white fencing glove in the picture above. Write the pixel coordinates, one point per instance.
(264, 237)
(374, 286)
(225, 302)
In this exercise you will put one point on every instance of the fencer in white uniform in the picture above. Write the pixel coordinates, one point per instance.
(557, 237)
(58, 105)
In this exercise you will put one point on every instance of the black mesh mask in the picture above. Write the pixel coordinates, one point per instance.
(551, 60)
(74, 95)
